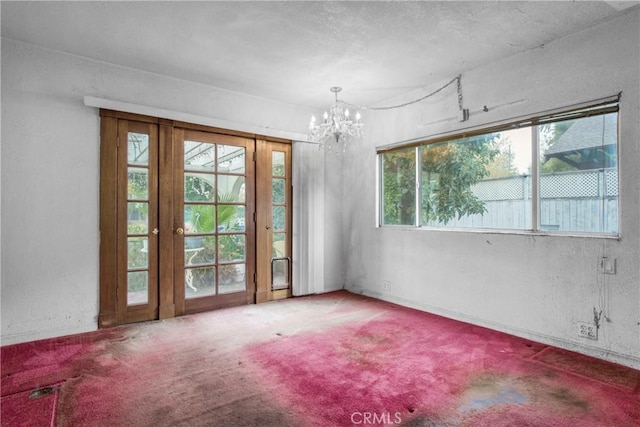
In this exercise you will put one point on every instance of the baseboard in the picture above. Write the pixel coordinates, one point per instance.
(324, 290)
(611, 356)
(107, 319)
(332, 288)
(18, 338)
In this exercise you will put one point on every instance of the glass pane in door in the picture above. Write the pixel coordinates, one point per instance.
(138, 180)
(232, 278)
(231, 159)
(279, 245)
(200, 281)
(214, 219)
(199, 187)
(231, 188)
(280, 274)
(199, 156)
(138, 149)
(277, 163)
(277, 190)
(279, 218)
(280, 260)
(137, 218)
(137, 287)
(137, 252)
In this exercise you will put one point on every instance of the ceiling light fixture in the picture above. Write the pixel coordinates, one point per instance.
(337, 127)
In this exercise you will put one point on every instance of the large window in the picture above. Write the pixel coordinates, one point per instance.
(552, 173)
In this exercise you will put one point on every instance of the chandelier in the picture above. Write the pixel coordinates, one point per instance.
(337, 127)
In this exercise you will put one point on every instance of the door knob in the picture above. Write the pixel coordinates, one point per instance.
(155, 231)
(180, 231)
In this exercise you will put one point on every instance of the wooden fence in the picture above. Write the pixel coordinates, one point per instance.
(576, 201)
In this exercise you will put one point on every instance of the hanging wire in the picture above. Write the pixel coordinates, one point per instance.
(457, 79)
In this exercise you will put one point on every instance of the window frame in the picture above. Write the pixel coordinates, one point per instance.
(598, 107)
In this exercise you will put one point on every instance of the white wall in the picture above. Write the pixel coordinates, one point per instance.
(533, 286)
(50, 176)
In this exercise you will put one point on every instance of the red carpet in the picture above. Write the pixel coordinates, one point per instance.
(329, 360)
(31, 408)
(587, 366)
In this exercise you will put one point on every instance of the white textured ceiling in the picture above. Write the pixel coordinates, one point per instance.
(295, 51)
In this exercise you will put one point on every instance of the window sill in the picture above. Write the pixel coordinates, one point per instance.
(490, 231)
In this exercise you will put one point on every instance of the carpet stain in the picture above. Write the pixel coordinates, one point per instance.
(366, 349)
(489, 390)
(568, 398)
(423, 420)
(493, 389)
(501, 397)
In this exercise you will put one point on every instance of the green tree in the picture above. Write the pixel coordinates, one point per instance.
(502, 164)
(448, 173)
(398, 177)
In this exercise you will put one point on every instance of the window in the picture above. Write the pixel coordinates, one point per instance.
(398, 181)
(552, 173)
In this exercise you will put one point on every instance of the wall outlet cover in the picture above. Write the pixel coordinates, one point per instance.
(587, 330)
(608, 265)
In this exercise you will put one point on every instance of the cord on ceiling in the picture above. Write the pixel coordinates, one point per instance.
(457, 79)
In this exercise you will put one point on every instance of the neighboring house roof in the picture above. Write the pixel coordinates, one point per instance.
(590, 141)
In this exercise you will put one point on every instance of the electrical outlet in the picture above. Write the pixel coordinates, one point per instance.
(386, 286)
(587, 330)
(607, 265)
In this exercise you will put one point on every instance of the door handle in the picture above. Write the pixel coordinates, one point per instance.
(155, 231)
(268, 227)
(180, 231)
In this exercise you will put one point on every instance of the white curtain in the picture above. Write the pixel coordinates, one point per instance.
(308, 219)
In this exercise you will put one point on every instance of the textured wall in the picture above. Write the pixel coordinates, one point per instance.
(50, 176)
(531, 285)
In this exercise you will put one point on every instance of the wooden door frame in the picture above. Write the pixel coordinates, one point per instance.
(166, 295)
(264, 242)
(109, 314)
(108, 220)
(142, 312)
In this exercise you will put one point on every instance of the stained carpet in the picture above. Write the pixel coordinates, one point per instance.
(336, 359)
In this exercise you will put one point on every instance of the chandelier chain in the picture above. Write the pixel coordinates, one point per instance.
(457, 79)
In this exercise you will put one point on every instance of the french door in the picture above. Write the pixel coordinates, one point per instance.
(274, 221)
(182, 228)
(137, 237)
(214, 232)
